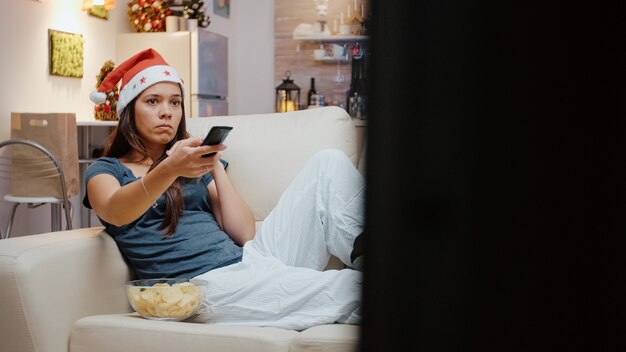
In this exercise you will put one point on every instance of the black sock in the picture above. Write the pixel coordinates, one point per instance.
(357, 249)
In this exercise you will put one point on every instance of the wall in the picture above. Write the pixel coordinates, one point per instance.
(29, 87)
(25, 57)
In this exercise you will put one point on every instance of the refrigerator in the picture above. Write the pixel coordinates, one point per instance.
(200, 57)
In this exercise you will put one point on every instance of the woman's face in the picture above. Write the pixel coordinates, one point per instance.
(158, 111)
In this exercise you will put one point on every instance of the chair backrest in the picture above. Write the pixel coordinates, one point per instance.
(26, 163)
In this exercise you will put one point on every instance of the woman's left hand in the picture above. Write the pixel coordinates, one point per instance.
(187, 157)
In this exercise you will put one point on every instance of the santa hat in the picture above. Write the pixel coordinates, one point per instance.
(137, 73)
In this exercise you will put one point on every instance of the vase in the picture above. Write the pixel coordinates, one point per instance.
(171, 24)
(182, 24)
(192, 24)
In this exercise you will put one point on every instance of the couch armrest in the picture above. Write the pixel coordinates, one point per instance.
(49, 281)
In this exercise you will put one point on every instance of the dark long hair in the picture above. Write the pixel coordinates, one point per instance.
(124, 138)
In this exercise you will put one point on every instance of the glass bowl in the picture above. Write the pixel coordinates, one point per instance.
(166, 299)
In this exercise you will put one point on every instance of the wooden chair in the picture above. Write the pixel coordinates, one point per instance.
(28, 162)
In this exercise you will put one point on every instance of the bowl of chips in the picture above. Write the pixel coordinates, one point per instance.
(166, 299)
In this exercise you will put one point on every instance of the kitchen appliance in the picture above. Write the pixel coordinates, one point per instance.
(200, 57)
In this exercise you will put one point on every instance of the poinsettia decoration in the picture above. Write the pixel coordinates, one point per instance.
(107, 111)
(194, 9)
(148, 15)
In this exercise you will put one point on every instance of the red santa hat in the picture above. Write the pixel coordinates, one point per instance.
(137, 73)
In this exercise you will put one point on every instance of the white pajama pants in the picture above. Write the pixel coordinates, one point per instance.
(280, 281)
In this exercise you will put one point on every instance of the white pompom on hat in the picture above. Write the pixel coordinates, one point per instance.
(137, 73)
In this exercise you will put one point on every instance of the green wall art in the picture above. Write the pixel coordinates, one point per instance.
(66, 54)
(99, 11)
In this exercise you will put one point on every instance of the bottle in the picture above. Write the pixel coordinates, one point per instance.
(312, 91)
(355, 95)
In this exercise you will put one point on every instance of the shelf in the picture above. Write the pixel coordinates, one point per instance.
(95, 123)
(332, 59)
(331, 38)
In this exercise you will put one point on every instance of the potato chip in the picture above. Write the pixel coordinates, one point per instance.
(171, 295)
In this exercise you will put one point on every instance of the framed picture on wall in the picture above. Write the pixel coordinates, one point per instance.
(66, 53)
(99, 11)
(221, 8)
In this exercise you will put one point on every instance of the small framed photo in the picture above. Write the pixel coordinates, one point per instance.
(66, 53)
(99, 12)
(221, 8)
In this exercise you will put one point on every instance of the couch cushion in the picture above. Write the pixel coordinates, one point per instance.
(327, 338)
(132, 333)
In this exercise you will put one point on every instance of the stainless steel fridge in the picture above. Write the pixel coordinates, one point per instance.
(201, 58)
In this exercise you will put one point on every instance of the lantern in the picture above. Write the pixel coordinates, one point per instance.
(287, 95)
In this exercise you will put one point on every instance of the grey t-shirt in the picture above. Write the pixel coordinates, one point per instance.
(198, 244)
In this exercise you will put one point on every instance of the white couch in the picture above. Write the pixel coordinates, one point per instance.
(63, 291)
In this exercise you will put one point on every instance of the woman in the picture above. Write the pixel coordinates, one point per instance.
(174, 213)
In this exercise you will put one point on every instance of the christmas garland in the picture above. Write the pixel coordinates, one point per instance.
(148, 15)
(107, 111)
